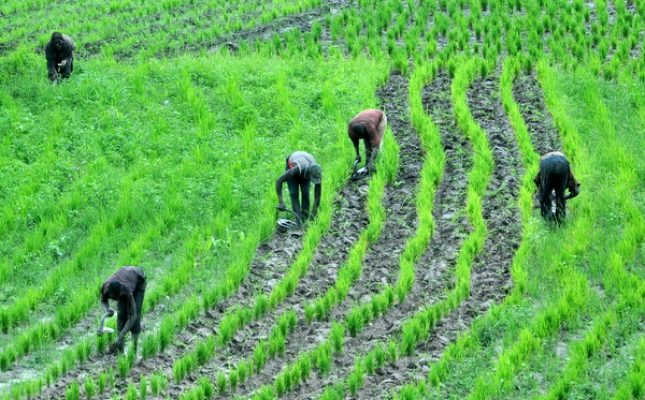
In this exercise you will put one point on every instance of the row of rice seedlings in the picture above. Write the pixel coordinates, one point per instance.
(550, 320)
(169, 285)
(347, 274)
(469, 342)
(237, 318)
(633, 385)
(417, 327)
(361, 315)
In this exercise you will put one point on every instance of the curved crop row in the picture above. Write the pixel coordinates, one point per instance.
(418, 326)
(347, 274)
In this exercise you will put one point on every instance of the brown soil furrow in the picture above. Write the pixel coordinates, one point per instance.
(433, 277)
(539, 123)
(348, 221)
(490, 276)
(381, 262)
(271, 260)
(302, 22)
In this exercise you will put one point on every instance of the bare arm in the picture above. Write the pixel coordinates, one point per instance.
(288, 174)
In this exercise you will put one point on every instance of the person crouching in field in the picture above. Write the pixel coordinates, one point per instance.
(370, 126)
(555, 175)
(127, 287)
(301, 170)
(59, 52)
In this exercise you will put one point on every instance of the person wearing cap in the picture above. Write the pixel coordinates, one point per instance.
(370, 126)
(127, 287)
(301, 170)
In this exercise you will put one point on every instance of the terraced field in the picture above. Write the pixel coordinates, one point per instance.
(434, 278)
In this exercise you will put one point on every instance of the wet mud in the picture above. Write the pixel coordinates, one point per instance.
(381, 263)
(349, 219)
(434, 270)
(539, 123)
(490, 275)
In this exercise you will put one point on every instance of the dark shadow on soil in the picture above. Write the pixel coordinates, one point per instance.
(490, 276)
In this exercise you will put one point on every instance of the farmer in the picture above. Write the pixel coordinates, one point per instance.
(555, 174)
(301, 170)
(127, 286)
(368, 125)
(59, 52)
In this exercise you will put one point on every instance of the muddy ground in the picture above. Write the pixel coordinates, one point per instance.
(490, 276)
(433, 272)
(539, 123)
(380, 265)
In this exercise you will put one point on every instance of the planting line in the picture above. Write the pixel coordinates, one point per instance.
(170, 284)
(489, 282)
(238, 318)
(576, 291)
(231, 315)
(633, 386)
(407, 172)
(412, 328)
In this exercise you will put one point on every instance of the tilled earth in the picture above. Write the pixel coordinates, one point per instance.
(433, 277)
(490, 277)
(381, 264)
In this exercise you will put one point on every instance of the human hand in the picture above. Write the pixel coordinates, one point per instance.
(110, 313)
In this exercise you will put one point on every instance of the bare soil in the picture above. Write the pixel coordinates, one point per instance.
(490, 276)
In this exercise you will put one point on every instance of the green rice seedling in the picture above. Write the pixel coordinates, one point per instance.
(259, 356)
(157, 384)
(337, 337)
(102, 382)
(356, 379)
(72, 392)
(392, 352)
(355, 321)
(220, 379)
(90, 387)
(123, 366)
(150, 343)
(380, 355)
(206, 388)
(242, 372)
(233, 380)
(143, 388)
(280, 385)
(179, 370)
(369, 362)
(132, 393)
(295, 374)
(305, 367)
(261, 306)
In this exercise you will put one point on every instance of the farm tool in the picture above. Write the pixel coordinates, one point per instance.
(358, 173)
(103, 329)
(287, 224)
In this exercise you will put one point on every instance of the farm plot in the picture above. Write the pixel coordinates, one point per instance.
(434, 278)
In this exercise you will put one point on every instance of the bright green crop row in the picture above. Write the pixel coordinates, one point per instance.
(332, 97)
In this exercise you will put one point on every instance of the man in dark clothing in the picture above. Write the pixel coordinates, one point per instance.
(301, 169)
(127, 286)
(555, 174)
(59, 52)
(370, 126)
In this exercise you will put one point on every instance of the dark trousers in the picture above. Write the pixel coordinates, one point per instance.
(554, 174)
(124, 315)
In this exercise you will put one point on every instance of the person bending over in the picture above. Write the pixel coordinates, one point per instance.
(370, 126)
(301, 170)
(127, 287)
